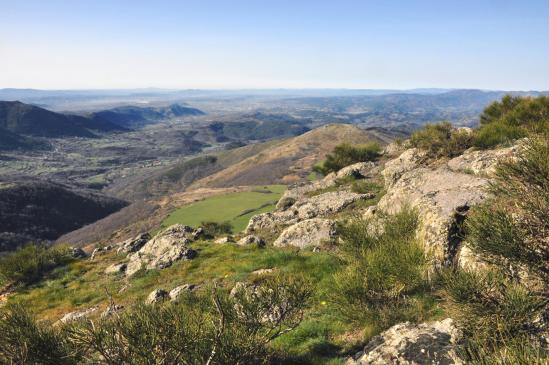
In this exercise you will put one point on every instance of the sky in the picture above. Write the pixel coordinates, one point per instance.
(367, 44)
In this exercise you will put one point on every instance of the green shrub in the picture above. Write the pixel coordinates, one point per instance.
(511, 118)
(365, 186)
(211, 326)
(441, 140)
(345, 154)
(385, 269)
(28, 264)
(212, 229)
(521, 189)
(492, 310)
(25, 341)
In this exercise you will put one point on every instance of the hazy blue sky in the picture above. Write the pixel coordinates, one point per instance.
(494, 44)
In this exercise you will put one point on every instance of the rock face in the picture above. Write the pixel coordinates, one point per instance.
(157, 296)
(306, 208)
(226, 239)
(163, 250)
(310, 232)
(407, 161)
(133, 244)
(409, 344)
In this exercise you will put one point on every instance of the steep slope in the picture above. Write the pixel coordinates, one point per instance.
(40, 210)
(12, 141)
(291, 160)
(30, 120)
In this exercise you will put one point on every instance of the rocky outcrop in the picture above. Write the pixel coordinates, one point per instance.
(176, 292)
(410, 344)
(442, 195)
(100, 251)
(310, 232)
(133, 244)
(251, 240)
(322, 205)
(481, 162)
(442, 198)
(157, 296)
(163, 250)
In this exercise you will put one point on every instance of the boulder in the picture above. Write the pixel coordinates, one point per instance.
(116, 269)
(78, 315)
(322, 205)
(100, 251)
(176, 292)
(133, 244)
(198, 233)
(78, 253)
(411, 344)
(251, 240)
(163, 250)
(358, 170)
(157, 296)
(310, 232)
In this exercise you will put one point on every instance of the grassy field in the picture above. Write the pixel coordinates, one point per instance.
(83, 284)
(237, 208)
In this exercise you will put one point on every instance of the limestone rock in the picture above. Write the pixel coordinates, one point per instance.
(163, 250)
(100, 251)
(357, 170)
(133, 244)
(481, 162)
(251, 240)
(442, 198)
(410, 344)
(322, 205)
(310, 232)
(176, 292)
(116, 268)
(407, 161)
(157, 296)
(262, 271)
(77, 315)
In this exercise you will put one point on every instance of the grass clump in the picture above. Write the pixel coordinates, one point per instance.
(512, 118)
(31, 262)
(213, 229)
(345, 154)
(384, 280)
(441, 140)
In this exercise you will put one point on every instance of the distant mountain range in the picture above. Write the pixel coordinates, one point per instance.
(20, 122)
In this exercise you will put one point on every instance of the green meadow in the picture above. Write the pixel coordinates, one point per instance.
(236, 208)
